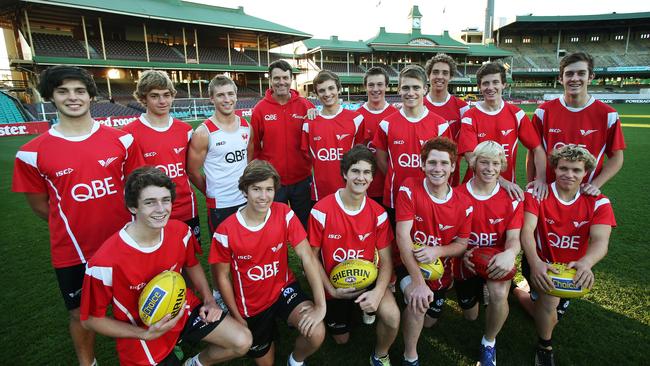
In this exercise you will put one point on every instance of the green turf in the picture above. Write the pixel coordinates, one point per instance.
(610, 325)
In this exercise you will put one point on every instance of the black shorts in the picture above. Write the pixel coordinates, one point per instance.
(562, 307)
(194, 331)
(263, 326)
(439, 296)
(71, 280)
(469, 291)
(195, 226)
(217, 215)
(343, 314)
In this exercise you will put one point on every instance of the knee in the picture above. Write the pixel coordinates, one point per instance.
(429, 322)
(391, 318)
(499, 292)
(75, 315)
(470, 314)
(341, 338)
(243, 342)
(318, 335)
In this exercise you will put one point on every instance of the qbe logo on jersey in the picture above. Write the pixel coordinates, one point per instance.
(152, 302)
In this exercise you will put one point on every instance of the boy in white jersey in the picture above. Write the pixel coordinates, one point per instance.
(222, 147)
(347, 225)
(150, 244)
(164, 140)
(71, 176)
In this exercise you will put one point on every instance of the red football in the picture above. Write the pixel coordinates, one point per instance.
(481, 256)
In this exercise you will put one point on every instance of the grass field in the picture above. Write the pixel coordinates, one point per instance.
(611, 325)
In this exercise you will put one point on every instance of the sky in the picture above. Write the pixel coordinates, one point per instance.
(361, 19)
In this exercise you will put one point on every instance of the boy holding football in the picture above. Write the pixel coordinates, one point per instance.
(496, 223)
(145, 247)
(347, 225)
(433, 214)
(250, 265)
(567, 227)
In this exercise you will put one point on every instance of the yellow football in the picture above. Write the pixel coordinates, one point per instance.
(354, 273)
(163, 295)
(563, 285)
(430, 271)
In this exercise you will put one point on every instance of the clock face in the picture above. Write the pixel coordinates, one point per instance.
(416, 22)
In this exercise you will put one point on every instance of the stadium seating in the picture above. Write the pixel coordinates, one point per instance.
(57, 46)
(216, 55)
(252, 54)
(342, 68)
(9, 111)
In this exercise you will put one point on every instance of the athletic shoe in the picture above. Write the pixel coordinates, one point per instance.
(410, 363)
(488, 355)
(544, 357)
(368, 318)
(382, 361)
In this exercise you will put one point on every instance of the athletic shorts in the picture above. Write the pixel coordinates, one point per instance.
(71, 281)
(562, 307)
(439, 296)
(195, 226)
(263, 326)
(469, 291)
(343, 314)
(195, 330)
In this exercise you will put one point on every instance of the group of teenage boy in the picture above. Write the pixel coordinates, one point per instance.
(362, 184)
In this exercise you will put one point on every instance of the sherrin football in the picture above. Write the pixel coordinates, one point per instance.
(163, 295)
(563, 285)
(430, 271)
(482, 256)
(353, 273)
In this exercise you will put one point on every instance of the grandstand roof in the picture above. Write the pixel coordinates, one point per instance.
(524, 22)
(180, 11)
(487, 51)
(415, 41)
(335, 44)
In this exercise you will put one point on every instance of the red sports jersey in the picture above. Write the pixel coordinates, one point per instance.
(117, 274)
(452, 110)
(166, 149)
(342, 234)
(84, 179)
(492, 217)
(258, 256)
(277, 136)
(596, 127)
(402, 138)
(371, 119)
(326, 139)
(506, 126)
(435, 222)
(562, 233)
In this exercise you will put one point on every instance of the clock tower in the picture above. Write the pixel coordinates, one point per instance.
(416, 18)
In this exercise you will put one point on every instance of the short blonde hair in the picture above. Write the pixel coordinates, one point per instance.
(572, 152)
(491, 150)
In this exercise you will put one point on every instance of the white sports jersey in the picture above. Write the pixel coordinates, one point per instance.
(224, 164)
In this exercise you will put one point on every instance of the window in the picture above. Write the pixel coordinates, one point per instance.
(619, 37)
(595, 38)
(526, 40)
(575, 39)
(645, 36)
(507, 40)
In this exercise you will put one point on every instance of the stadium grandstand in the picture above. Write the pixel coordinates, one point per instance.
(391, 51)
(116, 40)
(620, 44)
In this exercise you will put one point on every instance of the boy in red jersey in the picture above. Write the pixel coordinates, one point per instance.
(72, 175)
(401, 135)
(578, 118)
(277, 125)
(164, 141)
(250, 264)
(431, 213)
(375, 110)
(567, 227)
(497, 120)
(346, 225)
(441, 68)
(219, 151)
(496, 223)
(149, 245)
(330, 135)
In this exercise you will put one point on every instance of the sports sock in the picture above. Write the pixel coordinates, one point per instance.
(545, 343)
(409, 359)
(194, 361)
(293, 362)
(485, 342)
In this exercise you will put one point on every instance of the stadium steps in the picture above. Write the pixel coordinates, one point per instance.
(530, 61)
(11, 111)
